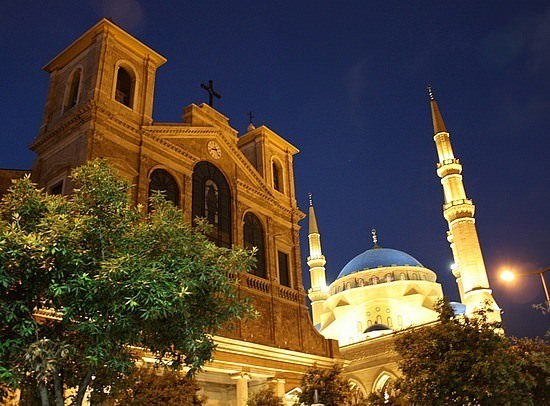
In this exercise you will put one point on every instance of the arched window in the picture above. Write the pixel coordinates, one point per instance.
(254, 237)
(162, 181)
(73, 90)
(360, 283)
(212, 200)
(402, 276)
(277, 176)
(390, 322)
(389, 277)
(378, 319)
(124, 91)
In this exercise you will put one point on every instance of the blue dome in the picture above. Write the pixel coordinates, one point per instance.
(376, 258)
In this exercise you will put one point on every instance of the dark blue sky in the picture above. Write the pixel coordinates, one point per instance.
(345, 82)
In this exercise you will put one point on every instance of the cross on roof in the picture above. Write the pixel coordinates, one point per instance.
(211, 92)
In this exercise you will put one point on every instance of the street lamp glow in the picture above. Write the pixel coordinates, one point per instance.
(507, 276)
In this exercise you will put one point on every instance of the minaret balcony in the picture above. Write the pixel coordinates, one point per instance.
(317, 294)
(448, 167)
(458, 209)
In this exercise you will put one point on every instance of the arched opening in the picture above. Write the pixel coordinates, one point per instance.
(161, 181)
(124, 90)
(254, 237)
(277, 176)
(384, 384)
(212, 200)
(72, 94)
(357, 393)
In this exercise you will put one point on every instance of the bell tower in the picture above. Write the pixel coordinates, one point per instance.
(101, 89)
(458, 210)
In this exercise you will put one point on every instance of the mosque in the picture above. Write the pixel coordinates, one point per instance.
(100, 104)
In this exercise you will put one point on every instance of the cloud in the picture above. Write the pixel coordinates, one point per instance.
(356, 81)
(539, 45)
(127, 13)
(527, 39)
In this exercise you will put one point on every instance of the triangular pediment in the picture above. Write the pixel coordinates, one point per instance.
(342, 302)
(412, 291)
(328, 318)
(189, 142)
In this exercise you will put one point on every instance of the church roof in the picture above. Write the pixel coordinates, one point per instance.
(376, 258)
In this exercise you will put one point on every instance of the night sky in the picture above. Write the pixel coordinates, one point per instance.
(345, 81)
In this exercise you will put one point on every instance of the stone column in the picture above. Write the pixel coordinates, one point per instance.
(278, 387)
(241, 379)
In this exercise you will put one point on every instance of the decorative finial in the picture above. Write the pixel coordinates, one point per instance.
(430, 92)
(309, 195)
(374, 238)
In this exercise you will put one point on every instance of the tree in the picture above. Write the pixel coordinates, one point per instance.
(332, 388)
(86, 279)
(533, 356)
(154, 386)
(461, 360)
(264, 397)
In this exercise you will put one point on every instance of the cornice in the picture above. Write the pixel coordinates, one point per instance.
(77, 114)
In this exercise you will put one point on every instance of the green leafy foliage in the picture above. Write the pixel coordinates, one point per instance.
(467, 360)
(156, 386)
(111, 279)
(332, 388)
(264, 397)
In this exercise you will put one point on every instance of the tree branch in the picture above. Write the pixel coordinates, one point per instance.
(82, 389)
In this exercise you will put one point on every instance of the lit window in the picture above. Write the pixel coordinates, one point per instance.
(56, 189)
(277, 176)
(124, 87)
(73, 89)
(212, 200)
(161, 181)
(254, 237)
(284, 274)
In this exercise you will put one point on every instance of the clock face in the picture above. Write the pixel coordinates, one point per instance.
(214, 150)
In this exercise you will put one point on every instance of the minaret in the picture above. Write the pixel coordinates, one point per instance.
(458, 210)
(316, 262)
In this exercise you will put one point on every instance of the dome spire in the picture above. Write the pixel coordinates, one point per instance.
(374, 238)
(437, 119)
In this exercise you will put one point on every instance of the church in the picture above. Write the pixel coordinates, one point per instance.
(100, 104)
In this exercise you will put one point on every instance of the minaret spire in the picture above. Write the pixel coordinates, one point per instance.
(458, 210)
(438, 123)
(316, 262)
(312, 219)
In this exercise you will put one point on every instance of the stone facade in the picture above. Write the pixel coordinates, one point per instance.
(99, 105)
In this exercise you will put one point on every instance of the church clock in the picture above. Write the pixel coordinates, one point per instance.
(214, 150)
